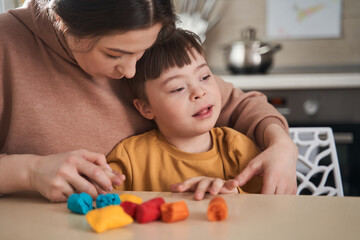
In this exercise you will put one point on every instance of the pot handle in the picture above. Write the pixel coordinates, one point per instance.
(270, 49)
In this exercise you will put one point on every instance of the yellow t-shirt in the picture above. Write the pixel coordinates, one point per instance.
(151, 163)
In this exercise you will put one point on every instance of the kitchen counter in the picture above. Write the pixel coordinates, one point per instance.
(294, 81)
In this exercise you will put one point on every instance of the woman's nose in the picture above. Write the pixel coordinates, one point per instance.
(128, 69)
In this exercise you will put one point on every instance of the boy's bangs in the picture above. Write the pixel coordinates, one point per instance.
(176, 52)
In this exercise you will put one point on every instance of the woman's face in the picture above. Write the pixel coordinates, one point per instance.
(113, 56)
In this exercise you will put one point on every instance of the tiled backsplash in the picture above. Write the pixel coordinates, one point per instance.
(302, 54)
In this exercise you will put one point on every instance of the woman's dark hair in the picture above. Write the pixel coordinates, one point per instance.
(174, 52)
(91, 18)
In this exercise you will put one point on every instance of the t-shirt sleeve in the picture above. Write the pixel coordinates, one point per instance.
(249, 113)
(119, 160)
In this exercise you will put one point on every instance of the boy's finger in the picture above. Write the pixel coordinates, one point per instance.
(202, 188)
(177, 187)
(188, 184)
(216, 186)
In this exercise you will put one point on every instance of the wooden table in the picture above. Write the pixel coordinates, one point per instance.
(29, 216)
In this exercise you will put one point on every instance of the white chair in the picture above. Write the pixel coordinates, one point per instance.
(317, 169)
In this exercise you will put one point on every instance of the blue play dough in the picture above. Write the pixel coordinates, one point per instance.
(107, 199)
(80, 203)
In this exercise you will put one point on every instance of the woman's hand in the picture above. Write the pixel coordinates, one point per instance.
(57, 176)
(277, 164)
(201, 185)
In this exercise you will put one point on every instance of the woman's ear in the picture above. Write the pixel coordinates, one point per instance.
(143, 108)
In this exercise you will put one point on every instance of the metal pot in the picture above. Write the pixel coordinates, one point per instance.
(250, 56)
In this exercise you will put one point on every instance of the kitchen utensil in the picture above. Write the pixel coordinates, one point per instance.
(249, 55)
(197, 16)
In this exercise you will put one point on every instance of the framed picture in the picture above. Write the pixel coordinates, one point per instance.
(301, 19)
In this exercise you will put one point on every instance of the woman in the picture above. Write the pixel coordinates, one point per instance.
(64, 105)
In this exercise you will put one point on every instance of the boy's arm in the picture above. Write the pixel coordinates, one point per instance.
(251, 114)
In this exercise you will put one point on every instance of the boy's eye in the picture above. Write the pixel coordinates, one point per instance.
(177, 90)
(206, 77)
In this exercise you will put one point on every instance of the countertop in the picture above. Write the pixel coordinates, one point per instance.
(294, 81)
(256, 216)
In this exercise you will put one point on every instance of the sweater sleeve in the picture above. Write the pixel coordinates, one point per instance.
(249, 113)
(119, 160)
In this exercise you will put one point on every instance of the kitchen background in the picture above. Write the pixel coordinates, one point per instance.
(336, 54)
(313, 81)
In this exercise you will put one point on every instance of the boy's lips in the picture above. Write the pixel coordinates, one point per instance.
(204, 112)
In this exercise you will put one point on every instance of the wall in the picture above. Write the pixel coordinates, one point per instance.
(323, 54)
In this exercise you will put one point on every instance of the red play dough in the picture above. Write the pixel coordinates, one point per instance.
(149, 211)
(129, 208)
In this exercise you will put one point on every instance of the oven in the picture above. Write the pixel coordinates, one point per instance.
(335, 108)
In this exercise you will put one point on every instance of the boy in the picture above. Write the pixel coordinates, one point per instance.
(174, 86)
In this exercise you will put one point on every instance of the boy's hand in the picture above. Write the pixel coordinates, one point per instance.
(201, 185)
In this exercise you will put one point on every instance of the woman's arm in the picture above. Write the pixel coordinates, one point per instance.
(57, 176)
(277, 163)
(251, 114)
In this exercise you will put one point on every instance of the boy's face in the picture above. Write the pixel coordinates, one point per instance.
(184, 102)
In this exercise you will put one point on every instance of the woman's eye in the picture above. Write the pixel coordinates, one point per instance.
(206, 77)
(177, 90)
(113, 57)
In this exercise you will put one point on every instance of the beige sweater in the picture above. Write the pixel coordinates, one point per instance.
(48, 104)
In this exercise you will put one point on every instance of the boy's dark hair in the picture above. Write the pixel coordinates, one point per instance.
(176, 51)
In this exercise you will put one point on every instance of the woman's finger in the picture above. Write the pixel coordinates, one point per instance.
(231, 184)
(60, 190)
(253, 168)
(96, 158)
(99, 189)
(116, 178)
(269, 185)
(81, 184)
(96, 174)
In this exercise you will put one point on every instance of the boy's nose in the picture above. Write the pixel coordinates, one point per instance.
(198, 93)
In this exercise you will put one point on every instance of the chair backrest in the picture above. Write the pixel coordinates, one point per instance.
(317, 169)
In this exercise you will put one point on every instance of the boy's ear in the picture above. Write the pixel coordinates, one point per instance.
(143, 108)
